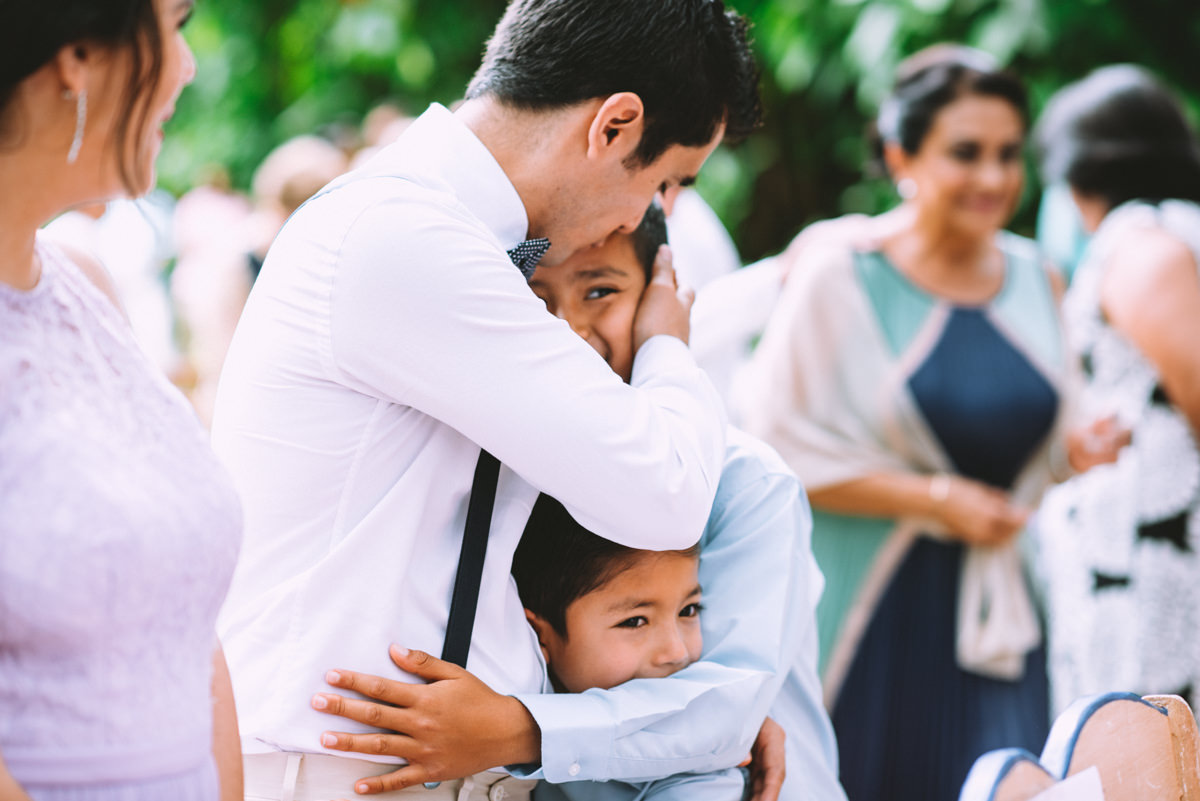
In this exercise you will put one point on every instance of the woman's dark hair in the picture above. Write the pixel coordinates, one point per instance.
(33, 31)
(559, 561)
(933, 78)
(688, 60)
(1119, 135)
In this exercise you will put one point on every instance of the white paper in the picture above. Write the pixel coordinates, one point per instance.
(1083, 786)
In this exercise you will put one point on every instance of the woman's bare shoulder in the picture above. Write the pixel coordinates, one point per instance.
(93, 269)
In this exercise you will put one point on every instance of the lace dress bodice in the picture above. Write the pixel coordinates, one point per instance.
(118, 535)
(1119, 544)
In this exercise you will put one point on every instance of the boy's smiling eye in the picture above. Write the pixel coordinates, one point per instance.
(635, 622)
(595, 293)
(691, 610)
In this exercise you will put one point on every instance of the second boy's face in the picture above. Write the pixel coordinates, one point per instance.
(597, 292)
(642, 624)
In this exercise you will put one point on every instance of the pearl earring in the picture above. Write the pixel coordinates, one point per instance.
(80, 122)
(906, 188)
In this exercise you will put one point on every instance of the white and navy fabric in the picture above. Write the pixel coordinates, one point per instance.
(1120, 544)
(860, 372)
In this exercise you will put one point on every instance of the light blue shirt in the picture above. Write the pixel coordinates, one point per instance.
(761, 586)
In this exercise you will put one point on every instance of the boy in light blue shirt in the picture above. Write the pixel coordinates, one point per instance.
(606, 614)
(755, 567)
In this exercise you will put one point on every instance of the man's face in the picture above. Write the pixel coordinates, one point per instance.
(597, 291)
(609, 197)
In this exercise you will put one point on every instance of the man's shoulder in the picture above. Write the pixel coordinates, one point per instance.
(395, 213)
(350, 196)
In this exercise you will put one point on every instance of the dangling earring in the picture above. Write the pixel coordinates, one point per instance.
(80, 122)
(906, 188)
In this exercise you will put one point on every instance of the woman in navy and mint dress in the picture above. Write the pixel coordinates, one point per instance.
(916, 381)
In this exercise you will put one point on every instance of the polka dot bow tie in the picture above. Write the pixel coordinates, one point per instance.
(527, 255)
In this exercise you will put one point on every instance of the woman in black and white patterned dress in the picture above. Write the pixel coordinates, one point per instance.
(1119, 545)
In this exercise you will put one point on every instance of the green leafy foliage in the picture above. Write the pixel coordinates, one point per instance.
(273, 69)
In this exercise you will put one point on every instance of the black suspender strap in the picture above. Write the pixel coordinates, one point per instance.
(470, 560)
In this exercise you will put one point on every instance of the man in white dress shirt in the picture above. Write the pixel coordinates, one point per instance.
(389, 338)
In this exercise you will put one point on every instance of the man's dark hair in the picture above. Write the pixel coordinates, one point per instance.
(688, 60)
(559, 561)
(932, 79)
(1119, 135)
(649, 236)
(31, 33)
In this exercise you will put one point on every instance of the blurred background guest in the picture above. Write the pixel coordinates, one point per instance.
(133, 240)
(913, 376)
(222, 241)
(1119, 544)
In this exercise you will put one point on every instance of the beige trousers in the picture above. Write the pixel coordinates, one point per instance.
(287, 776)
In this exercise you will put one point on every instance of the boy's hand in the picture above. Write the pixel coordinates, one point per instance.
(767, 762)
(664, 308)
(453, 727)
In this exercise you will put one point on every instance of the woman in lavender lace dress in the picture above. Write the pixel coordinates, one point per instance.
(118, 529)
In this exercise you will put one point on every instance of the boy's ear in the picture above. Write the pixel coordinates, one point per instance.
(543, 630)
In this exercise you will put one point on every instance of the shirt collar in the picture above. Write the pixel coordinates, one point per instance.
(439, 146)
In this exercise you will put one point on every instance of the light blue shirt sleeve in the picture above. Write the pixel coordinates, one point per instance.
(760, 590)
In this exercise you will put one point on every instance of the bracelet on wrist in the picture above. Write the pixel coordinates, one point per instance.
(939, 488)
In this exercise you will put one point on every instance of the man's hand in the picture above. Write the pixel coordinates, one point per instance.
(453, 727)
(767, 762)
(664, 308)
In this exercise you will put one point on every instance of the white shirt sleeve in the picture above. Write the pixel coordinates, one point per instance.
(441, 321)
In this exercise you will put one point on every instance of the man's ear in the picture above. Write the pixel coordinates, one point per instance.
(543, 630)
(616, 128)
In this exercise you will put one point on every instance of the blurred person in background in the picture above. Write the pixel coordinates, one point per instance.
(119, 529)
(222, 243)
(134, 241)
(381, 126)
(703, 250)
(706, 259)
(1119, 544)
(1060, 232)
(914, 377)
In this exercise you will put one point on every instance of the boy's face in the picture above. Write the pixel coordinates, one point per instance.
(643, 624)
(597, 292)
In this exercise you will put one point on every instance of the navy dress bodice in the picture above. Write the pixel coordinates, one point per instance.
(910, 722)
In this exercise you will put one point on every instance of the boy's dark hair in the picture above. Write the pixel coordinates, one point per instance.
(688, 60)
(31, 33)
(649, 236)
(1118, 134)
(931, 79)
(559, 561)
